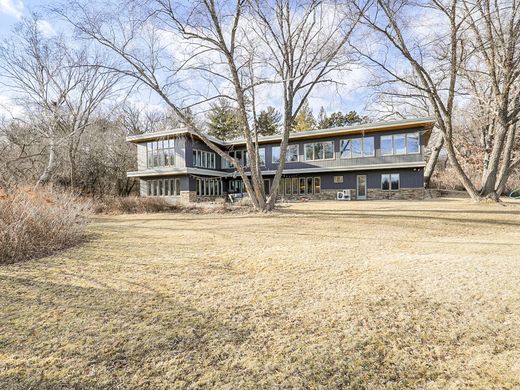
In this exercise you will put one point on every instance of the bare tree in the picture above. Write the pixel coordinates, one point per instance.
(57, 87)
(222, 51)
(434, 65)
(494, 37)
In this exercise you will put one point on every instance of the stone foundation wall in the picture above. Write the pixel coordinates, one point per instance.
(402, 194)
(372, 194)
(188, 197)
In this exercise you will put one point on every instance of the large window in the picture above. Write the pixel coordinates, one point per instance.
(240, 155)
(357, 147)
(160, 153)
(400, 144)
(209, 187)
(390, 182)
(290, 156)
(164, 187)
(387, 145)
(300, 186)
(319, 151)
(204, 159)
(412, 143)
(236, 186)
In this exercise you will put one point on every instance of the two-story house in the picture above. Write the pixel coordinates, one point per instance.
(375, 161)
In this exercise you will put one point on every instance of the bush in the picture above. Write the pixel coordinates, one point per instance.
(35, 224)
(142, 205)
(132, 205)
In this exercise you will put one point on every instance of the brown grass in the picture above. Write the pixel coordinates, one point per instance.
(376, 294)
(34, 224)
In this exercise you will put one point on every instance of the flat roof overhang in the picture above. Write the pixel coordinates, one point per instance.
(426, 122)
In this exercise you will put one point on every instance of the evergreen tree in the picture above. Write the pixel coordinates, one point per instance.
(304, 120)
(224, 120)
(338, 119)
(268, 121)
(322, 119)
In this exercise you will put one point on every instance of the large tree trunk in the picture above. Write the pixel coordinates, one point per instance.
(432, 161)
(489, 176)
(507, 164)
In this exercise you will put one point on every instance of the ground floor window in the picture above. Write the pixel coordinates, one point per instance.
(209, 187)
(236, 186)
(300, 186)
(164, 187)
(390, 182)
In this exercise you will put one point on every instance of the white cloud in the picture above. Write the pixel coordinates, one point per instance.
(45, 28)
(8, 109)
(12, 7)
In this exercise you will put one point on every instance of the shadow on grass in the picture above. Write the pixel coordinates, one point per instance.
(116, 336)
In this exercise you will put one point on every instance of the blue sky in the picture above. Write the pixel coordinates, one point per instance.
(345, 99)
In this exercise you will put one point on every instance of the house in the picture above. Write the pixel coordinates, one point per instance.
(375, 161)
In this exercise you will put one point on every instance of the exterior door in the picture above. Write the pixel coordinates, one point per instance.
(361, 187)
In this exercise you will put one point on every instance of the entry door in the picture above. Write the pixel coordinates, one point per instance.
(361, 187)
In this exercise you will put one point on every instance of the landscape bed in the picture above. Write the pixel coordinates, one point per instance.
(379, 294)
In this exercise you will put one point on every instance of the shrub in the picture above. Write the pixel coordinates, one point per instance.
(35, 224)
(132, 205)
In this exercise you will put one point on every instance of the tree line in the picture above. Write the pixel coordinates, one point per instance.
(211, 63)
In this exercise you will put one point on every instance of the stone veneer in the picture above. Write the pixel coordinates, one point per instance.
(372, 194)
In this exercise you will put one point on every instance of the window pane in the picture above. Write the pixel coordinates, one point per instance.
(329, 149)
(309, 152)
(412, 143)
(368, 146)
(399, 144)
(281, 187)
(345, 148)
(317, 185)
(310, 185)
(276, 154)
(385, 182)
(357, 148)
(295, 185)
(160, 192)
(287, 186)
(318, 151)
(261, 156)
(386, 145)
(292, 153)
(238, 156)
(149, 188)
(302, 186)
(394, 179)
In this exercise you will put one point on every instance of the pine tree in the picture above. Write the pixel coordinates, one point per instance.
(322, 119)
(304, 120)
(268, 121)
(224, 121)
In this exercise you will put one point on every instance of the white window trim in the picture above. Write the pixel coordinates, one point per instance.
(418, 140)
(350, 157)
(391, 141)
(320, 159)
(390, 182)
(297, 146)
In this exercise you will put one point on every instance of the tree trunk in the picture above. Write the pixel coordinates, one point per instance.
(507, 165)
(51, 163)
(489, 176)
(432, 161)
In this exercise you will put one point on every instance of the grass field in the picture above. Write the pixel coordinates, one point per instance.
(317, 295)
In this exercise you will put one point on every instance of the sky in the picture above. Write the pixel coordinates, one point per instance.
(351, 96)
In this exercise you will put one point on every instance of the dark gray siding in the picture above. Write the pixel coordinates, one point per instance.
(337, 162)
(197, 144)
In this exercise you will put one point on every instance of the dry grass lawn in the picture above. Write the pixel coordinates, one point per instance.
(318, 295)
